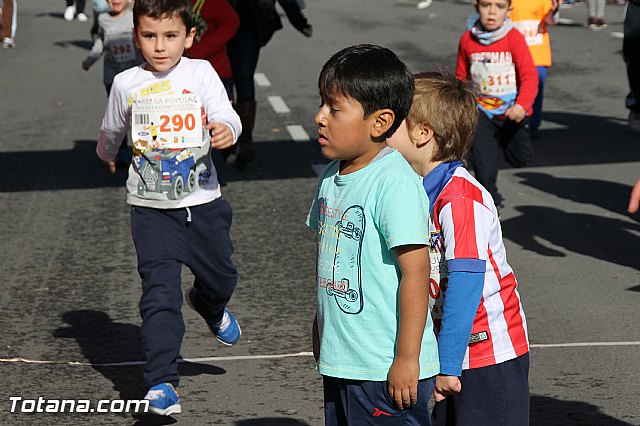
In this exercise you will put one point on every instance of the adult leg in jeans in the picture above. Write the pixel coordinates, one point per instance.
(483, 156)
(243, 51)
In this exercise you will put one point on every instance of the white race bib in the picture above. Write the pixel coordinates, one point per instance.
(531, 31)
(437, 277)
(167, 122)
(494, 79)
(122, 50)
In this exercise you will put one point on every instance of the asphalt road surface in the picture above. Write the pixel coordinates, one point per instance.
(69, 290)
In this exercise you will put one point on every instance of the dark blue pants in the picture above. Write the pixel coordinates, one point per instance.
(358, 403)
(497, 395)
(165, 240)
(536, 117)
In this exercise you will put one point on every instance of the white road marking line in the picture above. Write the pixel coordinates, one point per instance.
(583, 344)
(277, 356)
(133, 363)
(261, 79)
(616, 34)
(278, 105)
(297, 132)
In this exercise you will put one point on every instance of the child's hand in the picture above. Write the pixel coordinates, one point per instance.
(516, 113)
(221, 135)
(111, 165)
(634, 200)
(85, 66)
(446, 385)
(403, 382)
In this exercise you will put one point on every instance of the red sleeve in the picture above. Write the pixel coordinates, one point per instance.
(526, 72)
(222, 24)
(462, 67)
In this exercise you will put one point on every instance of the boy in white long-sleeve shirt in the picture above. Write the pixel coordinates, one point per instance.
(178, 215)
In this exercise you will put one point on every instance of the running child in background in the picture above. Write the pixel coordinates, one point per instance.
(495, 56)
(531, 18)
(373, 335)
(482, 331)
(178, 215)
(114, 41)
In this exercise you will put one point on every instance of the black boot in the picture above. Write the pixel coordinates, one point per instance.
(245, 152)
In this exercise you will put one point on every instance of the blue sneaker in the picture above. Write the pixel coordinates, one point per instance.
(227, 331)
(163, 399)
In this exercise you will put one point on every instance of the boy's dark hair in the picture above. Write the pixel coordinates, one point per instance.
(372, 75)
(158, 9)
(449, 107)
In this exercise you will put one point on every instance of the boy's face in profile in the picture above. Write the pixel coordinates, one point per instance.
(492, 13)
(344, 133)
(401, 140)
(162, 41)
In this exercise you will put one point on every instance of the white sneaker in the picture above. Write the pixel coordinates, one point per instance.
(423, 4)
(69, 13)
(634, 121)
(81, 17)
(8, 43)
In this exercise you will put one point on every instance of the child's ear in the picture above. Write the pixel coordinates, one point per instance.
(383, 120)
(422, 134)
(190, 37)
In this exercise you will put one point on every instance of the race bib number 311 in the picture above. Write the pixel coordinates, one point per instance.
(167, 122)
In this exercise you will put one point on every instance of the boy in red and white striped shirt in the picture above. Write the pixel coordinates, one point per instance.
(482, 341)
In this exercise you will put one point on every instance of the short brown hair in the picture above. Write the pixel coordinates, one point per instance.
(158, 9)
(448, 106)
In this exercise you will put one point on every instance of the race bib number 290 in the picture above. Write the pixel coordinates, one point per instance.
(168, 122)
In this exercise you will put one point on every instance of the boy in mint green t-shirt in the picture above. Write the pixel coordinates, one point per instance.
(373, 336)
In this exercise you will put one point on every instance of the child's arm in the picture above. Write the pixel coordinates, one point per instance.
(96, 51)
(527, 77)
(222, 23)
(223, 121)
(550, 18)
(413, 301)
(115, 124)
(221, 135)
(464, 292)
(462, 66)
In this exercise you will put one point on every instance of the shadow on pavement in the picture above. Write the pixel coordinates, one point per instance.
(268, 421)
(104, 341)
(547, 411)
(544, 229)
(583, 139)
(82, 44)
(80, 168)
(611, 196)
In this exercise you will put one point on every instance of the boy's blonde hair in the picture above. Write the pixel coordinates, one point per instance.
(449, 107)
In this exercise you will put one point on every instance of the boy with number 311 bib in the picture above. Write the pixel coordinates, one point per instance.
(178, 215)
(496, 57)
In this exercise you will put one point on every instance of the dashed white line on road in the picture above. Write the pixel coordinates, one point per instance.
(261, 79)
(278, 104)
(617, 34)
(297, 132)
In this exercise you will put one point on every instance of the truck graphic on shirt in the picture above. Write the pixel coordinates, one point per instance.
(166, 171)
